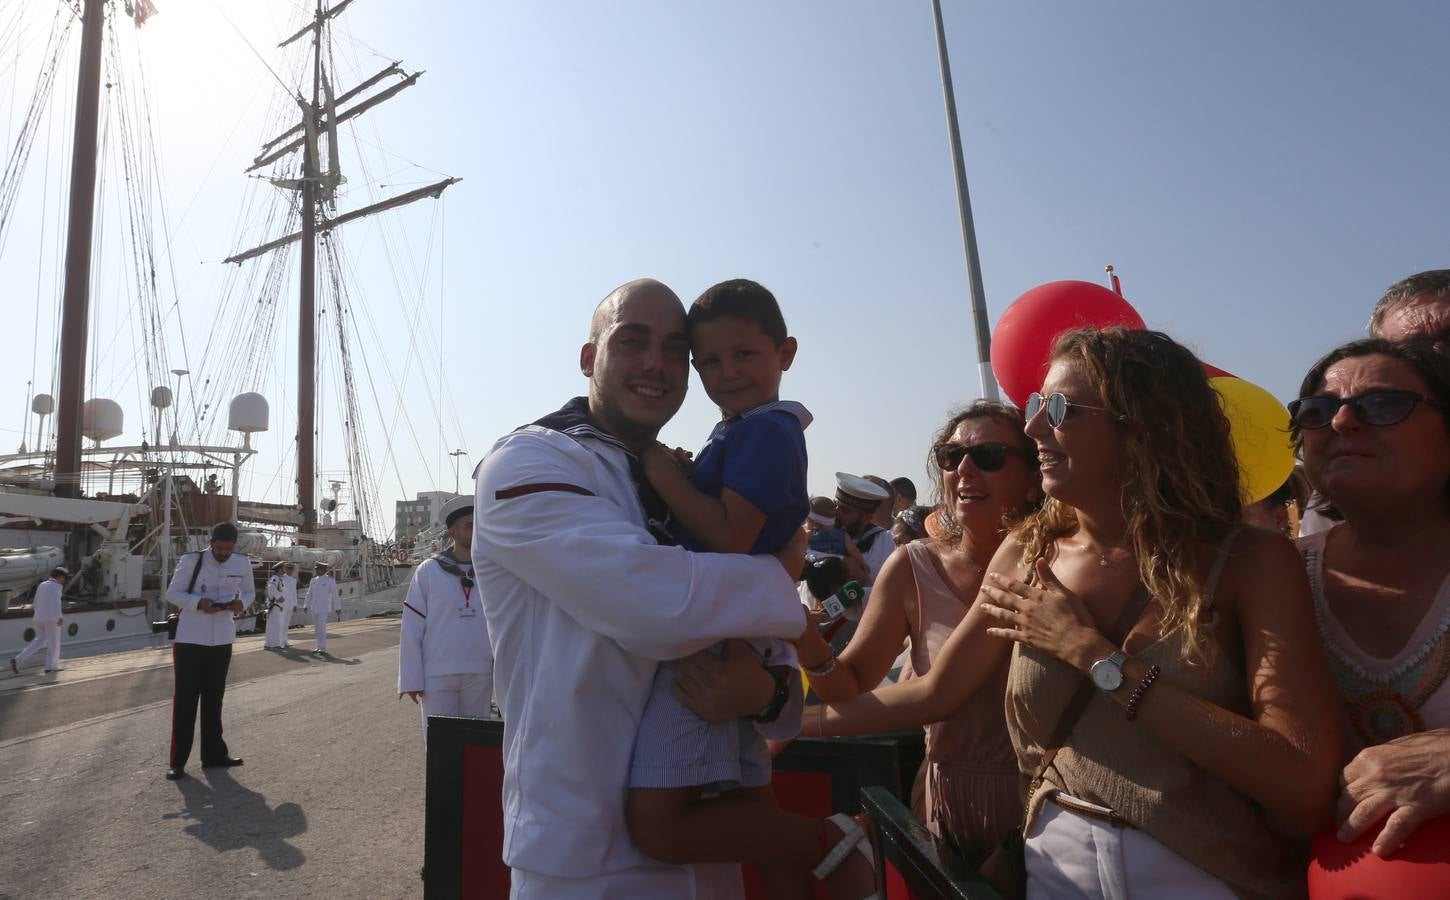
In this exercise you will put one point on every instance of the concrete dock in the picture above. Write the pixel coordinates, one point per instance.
(328, 803)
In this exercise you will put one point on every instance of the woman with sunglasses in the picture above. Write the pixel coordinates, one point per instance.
(1373, 425)
(1158, 757)
(986, 480)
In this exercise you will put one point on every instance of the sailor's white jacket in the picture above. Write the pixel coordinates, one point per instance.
(439, 637)
(581, 604)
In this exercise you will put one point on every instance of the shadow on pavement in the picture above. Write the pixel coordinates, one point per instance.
(226, 815)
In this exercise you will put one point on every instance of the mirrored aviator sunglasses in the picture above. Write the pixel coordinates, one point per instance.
(1379, 409)
(986, 457)
(1057, 407)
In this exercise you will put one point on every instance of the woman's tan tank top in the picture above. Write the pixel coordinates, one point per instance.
(1115, 763)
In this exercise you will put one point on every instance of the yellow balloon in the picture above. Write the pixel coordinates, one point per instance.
(1259, 426)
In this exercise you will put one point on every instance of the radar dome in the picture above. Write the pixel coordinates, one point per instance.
(101, 419)
(247, 413)
(42, 404)
(161, 397)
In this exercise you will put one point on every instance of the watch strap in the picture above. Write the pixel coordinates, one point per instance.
(778, 699)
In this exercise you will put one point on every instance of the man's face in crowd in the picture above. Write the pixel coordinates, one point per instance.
(852, 519)
(1417, 318)
(462, 530)
(638, 366)
(222, 549)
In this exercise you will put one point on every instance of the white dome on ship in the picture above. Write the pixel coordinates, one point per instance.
(42, 404)
(161, 397)
(101, 419)
(247, 413)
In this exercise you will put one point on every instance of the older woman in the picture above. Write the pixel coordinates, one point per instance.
(1373, 424)
(987, 477)
(1166, 693)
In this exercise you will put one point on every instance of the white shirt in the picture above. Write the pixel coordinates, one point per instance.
(47, 605)
(444, 631)
(283, 590)
(581, 604)
(322, 596)
(220, 582)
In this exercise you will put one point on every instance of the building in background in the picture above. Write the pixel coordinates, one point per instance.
(419, 514)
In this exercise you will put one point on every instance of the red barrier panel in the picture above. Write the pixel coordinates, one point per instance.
(463, 843)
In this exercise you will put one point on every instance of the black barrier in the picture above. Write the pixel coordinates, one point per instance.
(884, 760)
(928, 866)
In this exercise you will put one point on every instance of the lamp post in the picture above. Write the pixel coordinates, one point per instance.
(456, 454)
(176, 413)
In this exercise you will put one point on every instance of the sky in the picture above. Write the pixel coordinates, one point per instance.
(1257, 174)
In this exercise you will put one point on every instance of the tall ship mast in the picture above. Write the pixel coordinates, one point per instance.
(316, 188)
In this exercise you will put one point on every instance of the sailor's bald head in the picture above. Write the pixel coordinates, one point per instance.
(637, 360)
(607, 313)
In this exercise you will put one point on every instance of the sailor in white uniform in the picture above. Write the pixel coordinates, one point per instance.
(46, 619)
(281, 601)
(444, 658)
(582, 603)
(321, 601)
(857, 501)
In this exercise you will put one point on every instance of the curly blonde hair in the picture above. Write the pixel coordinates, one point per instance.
(1181, 489)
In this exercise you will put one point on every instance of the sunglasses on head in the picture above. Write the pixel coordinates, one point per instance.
(1377, 408)
(1058, 408)
(987, 457)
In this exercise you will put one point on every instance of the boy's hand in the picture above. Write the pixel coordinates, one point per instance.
(685, 460)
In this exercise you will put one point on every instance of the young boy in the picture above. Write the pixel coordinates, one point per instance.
(746, 493)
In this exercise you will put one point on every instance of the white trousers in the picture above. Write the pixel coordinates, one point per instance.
(457, 695)
(320, 619)
(1074, 857)
(47, 635)
(277, 622)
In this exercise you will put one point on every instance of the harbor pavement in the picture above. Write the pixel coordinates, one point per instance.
(329, 802)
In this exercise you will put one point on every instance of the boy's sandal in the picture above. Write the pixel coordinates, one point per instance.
(853, 838)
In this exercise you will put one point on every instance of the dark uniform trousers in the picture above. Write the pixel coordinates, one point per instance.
(201, 675)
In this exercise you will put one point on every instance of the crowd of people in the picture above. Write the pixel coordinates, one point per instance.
(1132, 679)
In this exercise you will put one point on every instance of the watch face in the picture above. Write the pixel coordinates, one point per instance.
(1107, 675)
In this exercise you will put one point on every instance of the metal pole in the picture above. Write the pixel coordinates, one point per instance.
(76, 306)
(164, 576)
(964, 205)
(307, 312)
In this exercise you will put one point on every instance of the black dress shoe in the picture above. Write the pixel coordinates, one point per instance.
(175, 772)
(225, 762)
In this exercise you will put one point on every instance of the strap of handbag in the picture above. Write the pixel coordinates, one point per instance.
(191, 585)
(1084, 694)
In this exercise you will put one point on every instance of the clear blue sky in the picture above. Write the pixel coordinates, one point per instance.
(1258, 173)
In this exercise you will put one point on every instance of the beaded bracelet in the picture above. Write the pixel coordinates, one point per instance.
(1137, 696)
(824, 668)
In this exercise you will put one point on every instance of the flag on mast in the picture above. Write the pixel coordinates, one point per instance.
(140, 11)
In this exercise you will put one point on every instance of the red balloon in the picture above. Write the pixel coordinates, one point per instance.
(1022, 342)
(1215, 372)
(1421, 868)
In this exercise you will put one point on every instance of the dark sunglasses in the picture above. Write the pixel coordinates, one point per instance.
(987, 457)
(1378, 408)
(1058, 407)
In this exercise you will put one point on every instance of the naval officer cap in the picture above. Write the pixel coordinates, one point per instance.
(456, 509)
(858, 493)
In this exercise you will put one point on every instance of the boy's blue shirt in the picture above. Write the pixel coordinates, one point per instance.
(760, 455)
